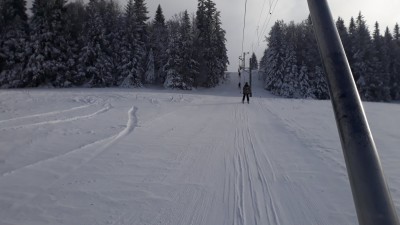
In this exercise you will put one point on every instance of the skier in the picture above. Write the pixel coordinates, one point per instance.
(246, 92)
(239, 85)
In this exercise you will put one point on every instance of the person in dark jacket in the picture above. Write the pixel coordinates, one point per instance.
(246, 92)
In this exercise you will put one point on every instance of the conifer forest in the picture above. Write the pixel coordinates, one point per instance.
(292, 67)
(103, 44)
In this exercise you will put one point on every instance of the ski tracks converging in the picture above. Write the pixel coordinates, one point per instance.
(104, 109)
(253, 200)
(99, 145)
(61, 166)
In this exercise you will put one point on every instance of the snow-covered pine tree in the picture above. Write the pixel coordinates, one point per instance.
(317, 77)
(114, 35)
(379, 80)
(13, 39)
(209, 52)
(208, 33)
(219, 51)
(305, 88)
(75, 20)
(200, 42)
(350, 52)
(319, 84)
(181, 67)
(128, 67)
(1, 16)
(47, 63)
(253, 62)
(362, 68)
(96, 58)
(388, 62)
(290, 82)
(396, 64)
(141, 30)
(344, 35)
(173, 78)
(159, 44)
(273, 58)
(150, 73)
(188, 68)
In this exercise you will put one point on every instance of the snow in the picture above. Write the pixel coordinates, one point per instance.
(151, 156)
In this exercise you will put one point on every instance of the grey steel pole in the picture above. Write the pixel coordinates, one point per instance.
(371, 196)
(250, 64)
(244, 60)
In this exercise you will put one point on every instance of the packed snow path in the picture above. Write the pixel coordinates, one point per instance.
(148, 156)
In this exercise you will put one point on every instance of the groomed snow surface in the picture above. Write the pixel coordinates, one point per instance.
(151, 156)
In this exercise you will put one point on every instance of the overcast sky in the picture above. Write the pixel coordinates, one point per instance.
(386, 12)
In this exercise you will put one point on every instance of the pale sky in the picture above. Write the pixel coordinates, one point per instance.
(386, 12)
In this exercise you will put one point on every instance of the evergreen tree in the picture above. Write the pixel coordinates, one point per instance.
(389, 58)
(13, 39)
(173, 78)
(305, 88)
(316, 76)
(200, 41)
(159, 44)
(189, 66)
(181, 66)
(209, 54)
(362, 65)
(274, 58)
(75, 20)
(47, 63)
(130, 56)
(344, 36)
(208, 36)
(396, 32)
(350, 52)
(319, 84)
(141, 30)
(253, 62)
(219, 51)
(395, 78)
(378, 82)
(97, 60)
(150, 73)
(290, 80)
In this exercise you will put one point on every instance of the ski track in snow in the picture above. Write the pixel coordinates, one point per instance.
(86, 153)
(47, 114)
(52, 122)
(249, 175)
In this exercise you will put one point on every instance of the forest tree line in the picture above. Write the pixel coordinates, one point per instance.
(101, 44)
(292, 67)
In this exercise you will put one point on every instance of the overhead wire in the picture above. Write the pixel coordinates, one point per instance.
(244, 23)
(258, 23)
(273, 4)
(271, 9)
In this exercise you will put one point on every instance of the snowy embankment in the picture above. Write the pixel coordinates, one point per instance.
(121, 156)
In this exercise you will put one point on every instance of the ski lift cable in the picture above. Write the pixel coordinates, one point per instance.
(270, 13)
(265, 25)
(244, 23)
(259, 19)
(262, 10)
(269, 20)
(265, 21)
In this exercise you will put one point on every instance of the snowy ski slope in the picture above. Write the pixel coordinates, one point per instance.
(150, 156)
